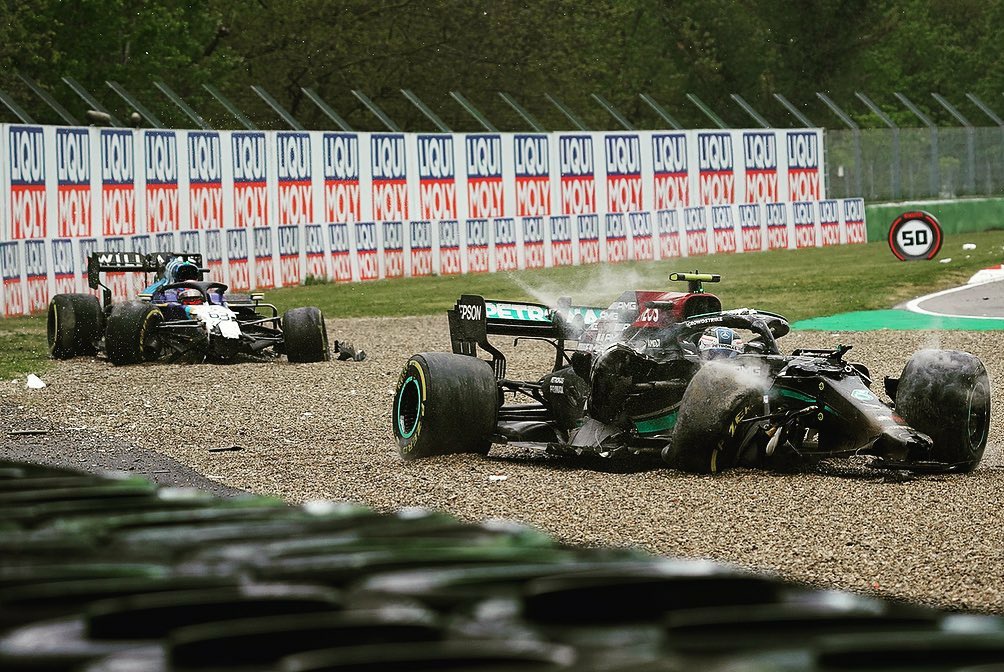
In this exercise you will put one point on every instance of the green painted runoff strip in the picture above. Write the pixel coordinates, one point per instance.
(900, 320)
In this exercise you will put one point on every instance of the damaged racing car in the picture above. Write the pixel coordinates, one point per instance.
(178, 317)
(672, 375)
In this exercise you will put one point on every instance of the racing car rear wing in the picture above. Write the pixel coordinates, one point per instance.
(131, 262)
(473, 318)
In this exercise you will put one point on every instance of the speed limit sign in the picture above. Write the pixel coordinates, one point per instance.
(915, 235)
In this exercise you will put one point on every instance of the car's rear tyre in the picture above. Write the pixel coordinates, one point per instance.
(946, 395)
(305, 336)
(708, 435)
(131, 335)
(444, 403)
(73, 325)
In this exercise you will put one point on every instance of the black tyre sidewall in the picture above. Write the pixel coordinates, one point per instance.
(708, 433)
(444, 403)
(305, 335)
(73, 325)
(936, 393)
(128, 328)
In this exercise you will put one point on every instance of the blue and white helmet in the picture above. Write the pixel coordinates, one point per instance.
(720, 343)
(179, 269)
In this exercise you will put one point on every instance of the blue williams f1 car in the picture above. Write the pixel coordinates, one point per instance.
(178, 317)
(672, 375)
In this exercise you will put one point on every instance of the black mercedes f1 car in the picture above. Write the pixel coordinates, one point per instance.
(179, 317)
(631, 380)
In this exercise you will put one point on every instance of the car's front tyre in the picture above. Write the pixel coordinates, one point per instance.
(444, 403)
(946, 395)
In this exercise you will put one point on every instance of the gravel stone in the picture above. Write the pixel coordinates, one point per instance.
(322, 431)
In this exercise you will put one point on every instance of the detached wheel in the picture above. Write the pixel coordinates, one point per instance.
(305, 336)
(707, 436)
(131, 335)
(73, 325)
(946, 395)
(445, 403)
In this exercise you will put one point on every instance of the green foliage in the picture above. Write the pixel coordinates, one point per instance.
(566, 48)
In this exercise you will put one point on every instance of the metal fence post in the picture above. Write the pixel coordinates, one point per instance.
(935, 156)
(894, 163)
(970, 142)
(855, 133)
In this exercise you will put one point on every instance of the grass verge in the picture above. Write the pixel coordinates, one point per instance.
(796, 283)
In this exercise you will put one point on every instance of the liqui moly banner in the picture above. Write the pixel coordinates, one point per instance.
(437, 177)
(562, 244)
(829, 222)
(533, 242)
(389, 170)
(588, 227)
(723, 228)
(695, 228)
(160, 167)
(760, 163)
(295, 182)
(532, 175)
(121, 284)
(367, 249)
(449, 247)
(249, 159)
(577, 175)
(290, 259)
(10, 269)
(205, 180)
(238, 259)
(341, 177)
(716, 168)
(485, 195)
(477, 245)
(26, 168)
(640, 226)
(36, 275)
(751, 225)
(668, 225)
(317, 266)
(64, 267)
(74, 191)
(506, 244)
(623, 168)
(393, 249)
(118, 182)
(420, 247)
(804, 150)
(670, 176)
(264, 268)
(340, 247)
(854, 220)
(776, 216)
(615, 235)
(214, 256)
(141, 243)
(803, 213)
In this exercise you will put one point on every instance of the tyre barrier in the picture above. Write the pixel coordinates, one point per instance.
(107, 573)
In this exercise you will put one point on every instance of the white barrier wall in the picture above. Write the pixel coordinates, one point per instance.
(269, 208)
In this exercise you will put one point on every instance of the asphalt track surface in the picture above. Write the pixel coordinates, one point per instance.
(982, 300)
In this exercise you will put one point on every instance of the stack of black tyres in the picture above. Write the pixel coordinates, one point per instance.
(113, 574)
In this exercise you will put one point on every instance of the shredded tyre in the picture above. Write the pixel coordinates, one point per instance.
(708, 435)
(305, 336)
(946, 395)
(444, 403)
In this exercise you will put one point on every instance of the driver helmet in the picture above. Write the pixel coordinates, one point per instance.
(179, 270)
(190, 297)
(720, 343)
